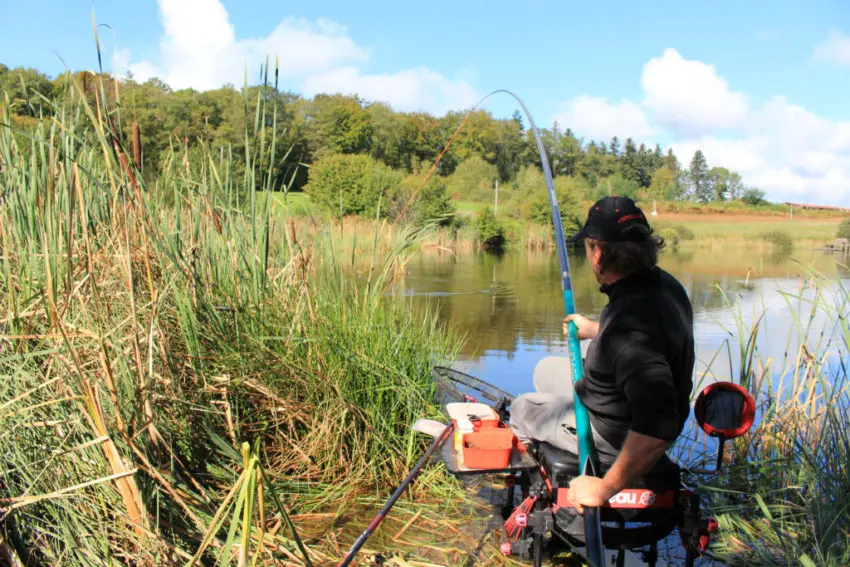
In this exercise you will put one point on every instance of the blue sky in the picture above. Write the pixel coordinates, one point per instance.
(762, 87)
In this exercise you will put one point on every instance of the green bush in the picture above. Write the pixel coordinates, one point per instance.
(530, 201)
(753, 196)
(671, 237)
(616, 185)
(684, 232)
(432, 203)
(780, 239)
(350, 184)
(843, 229)
(473, 180)
(491, 232)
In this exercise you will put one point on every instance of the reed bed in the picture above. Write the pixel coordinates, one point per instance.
(188, 378)
(783, 497)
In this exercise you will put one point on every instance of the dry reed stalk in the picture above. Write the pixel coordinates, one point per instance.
(13, 302)
(143, 389)
(213, 527)
(28, 393)
(127, 486)
(10, 504)
(407, 525)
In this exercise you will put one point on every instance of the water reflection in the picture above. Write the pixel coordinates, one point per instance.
(509, 307)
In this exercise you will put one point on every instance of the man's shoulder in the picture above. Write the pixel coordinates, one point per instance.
(647, 310)
(673, 285)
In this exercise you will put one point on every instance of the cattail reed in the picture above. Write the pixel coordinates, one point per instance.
(137, 147)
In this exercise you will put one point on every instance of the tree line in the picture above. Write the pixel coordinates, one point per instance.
(309, 131)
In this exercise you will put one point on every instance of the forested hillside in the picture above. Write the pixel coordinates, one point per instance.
(311, 134)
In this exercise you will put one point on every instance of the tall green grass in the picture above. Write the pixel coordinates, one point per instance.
(182, 368)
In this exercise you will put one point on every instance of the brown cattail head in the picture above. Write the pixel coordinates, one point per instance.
(137, 146)
(125, 163)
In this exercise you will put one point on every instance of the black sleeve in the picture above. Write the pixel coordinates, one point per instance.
(646, 380)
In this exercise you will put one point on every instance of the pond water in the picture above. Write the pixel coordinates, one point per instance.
(509, 308)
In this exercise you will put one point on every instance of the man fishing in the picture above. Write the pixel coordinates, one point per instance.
(638, 368)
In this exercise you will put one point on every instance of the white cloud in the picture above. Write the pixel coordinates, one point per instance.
(200, 49)
(834, 49)
(689, 98)
(409, 90)
(786, 150)
(781, 147)
(597, 119)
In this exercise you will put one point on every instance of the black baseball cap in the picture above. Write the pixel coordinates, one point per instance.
(614, 219)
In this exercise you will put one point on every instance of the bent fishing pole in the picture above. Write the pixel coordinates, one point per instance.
(423, 426)
(588, 463)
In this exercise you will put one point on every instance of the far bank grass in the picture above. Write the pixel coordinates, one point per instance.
(749, 227)
(714, 231)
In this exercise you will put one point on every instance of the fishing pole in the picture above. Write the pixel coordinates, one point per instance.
(376, 521)
(588, 463)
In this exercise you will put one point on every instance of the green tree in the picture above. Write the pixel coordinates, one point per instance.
(718, 178)
(392, 137)
(657, 158)
(753, 196)
(614, 148)
(597, 164)
(512, 146)
(335, 124)
(616, 185)
(698, 174)
(473, 180)
(629, 162)
(570, 191)
(664, 184)
(479, 136)
(30, 92)
(491, 232)
(432, 203)
(843, 229)
(736, 186)
(671, 162)
(350, 184)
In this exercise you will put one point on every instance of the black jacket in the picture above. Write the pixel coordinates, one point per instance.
(638, 371)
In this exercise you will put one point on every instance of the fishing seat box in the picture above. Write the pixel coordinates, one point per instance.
(663, 478)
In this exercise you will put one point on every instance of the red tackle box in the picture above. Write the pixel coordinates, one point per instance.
(488, 448)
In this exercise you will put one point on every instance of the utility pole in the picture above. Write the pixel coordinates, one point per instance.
(496, 206)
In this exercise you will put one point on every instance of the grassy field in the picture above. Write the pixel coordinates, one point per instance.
(751, 226)
(470, 208)
(296, 203)
(709, 228)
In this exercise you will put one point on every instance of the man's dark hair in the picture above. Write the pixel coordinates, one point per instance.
(628, 257)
